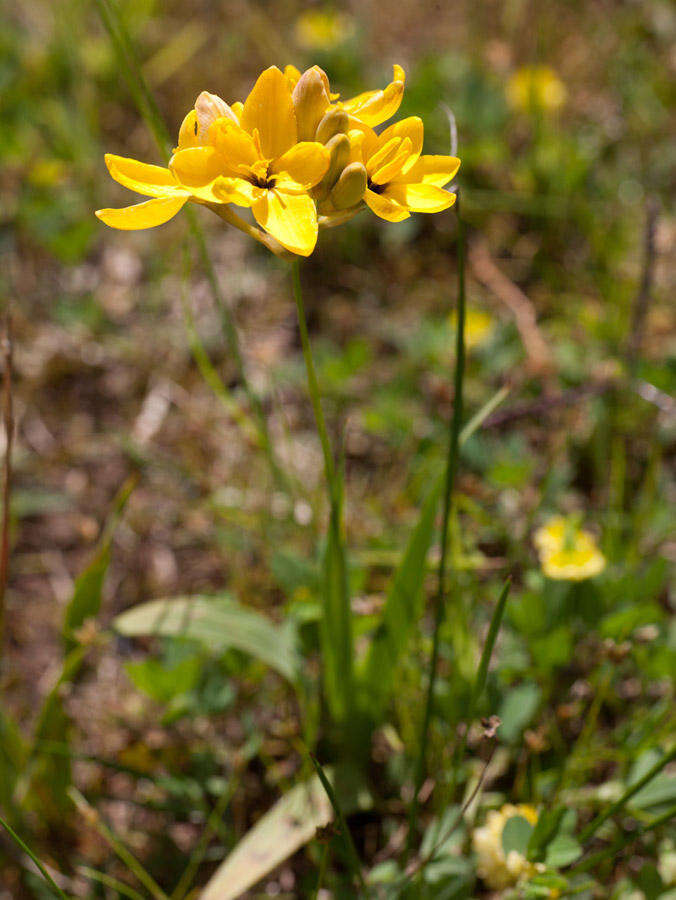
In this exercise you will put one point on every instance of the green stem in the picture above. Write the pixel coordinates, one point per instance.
(26, 849)
(593, 827)
(449, 486)
(337, 623)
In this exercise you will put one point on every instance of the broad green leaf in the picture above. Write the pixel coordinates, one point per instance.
(516, 834)
(289, 825)
(517, 709)
(562, 851)
(163, 682)
(86, 600)
(548, 824)
(219, 623)
(336, 625)
(403, 607)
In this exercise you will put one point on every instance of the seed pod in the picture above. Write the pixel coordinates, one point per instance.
(350, 187)
(339, 148)
(334, 122)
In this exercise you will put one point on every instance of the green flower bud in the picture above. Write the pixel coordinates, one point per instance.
(350, 187)
(334, 122)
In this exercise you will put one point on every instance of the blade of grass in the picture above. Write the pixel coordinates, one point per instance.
(591, 829)
(336, 620)
(26, 849)
(197, 855)
(148, 109)
(449, 486)
(92, 816)
(613, 849)
(350, 849)
(481, 676)
(108, 881)
(8, 419)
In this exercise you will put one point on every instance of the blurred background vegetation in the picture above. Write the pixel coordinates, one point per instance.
(568, 197)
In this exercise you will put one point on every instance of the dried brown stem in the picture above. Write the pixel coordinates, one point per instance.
(485, 270)
(644, 294)
(8, 419)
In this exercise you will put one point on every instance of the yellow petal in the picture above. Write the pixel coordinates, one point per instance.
(306, 163)
(235, 145)
(188, 132)
(196, 166)
(383, 155)
(394, 165)
(420, 197)
(237, 107)
(438, 170)
(237, 191)
(292, 74)
(143, 215)
(310, 100)
(411, 128)
(374, 107)
(385, 207)
(151, 181)
(291, 219)
(269, 108)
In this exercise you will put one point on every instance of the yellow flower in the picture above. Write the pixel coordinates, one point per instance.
(246, 154)
(318, 29)
(478, 327)
(536, 87)
(399, 180)
(568, 553)
(496, 869)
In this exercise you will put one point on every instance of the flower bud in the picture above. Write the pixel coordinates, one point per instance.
(310, 100)
(350, 187)
(339, 149)
(334, 122)
(210, 107)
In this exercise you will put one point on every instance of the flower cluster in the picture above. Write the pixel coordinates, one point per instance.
(296, 155)
(497, 869)
(566, 551)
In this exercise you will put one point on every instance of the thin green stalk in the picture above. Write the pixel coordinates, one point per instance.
(108, 881)
(323, 862)
(26, 849)
(337, 622)
(593, 827)
(613, 849)
(92, 816)
(197, 855)
(481, 675)
(350, 849)
(148, 109)
(449, 486)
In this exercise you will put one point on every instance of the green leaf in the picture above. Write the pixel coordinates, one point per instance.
(86, 600)
(289, 825)
(402, 607)
(562, 851)
(661, 791)
(517, 710)
(548, 824)
(163, 682)
(218, 623)
(13, 754)
(516, 834)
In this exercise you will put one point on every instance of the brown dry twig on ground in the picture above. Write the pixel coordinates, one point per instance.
(485, 270)
(8, 419)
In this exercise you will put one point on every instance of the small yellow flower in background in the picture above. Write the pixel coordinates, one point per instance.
(536, 87)
(478, 327)
(493, 866)
(567, 552)
(323, 29)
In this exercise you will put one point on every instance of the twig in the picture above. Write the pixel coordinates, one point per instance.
(8, 418)
(544, 405)
(487, 272)
(643, 296)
